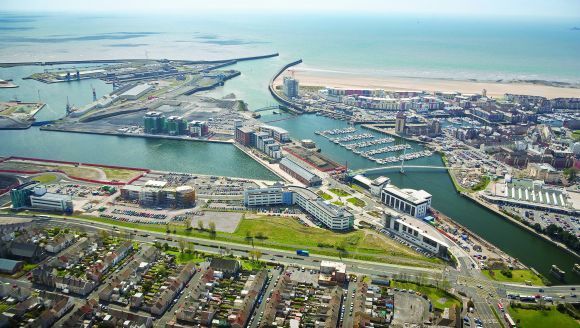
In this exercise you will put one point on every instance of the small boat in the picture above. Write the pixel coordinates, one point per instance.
(557, 272)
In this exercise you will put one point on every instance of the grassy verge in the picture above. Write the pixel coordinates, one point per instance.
(280, 233)
(338, 203)
(530, 318)
(496, 315)
(324, 195)
(356, 201)
(45, 178)
(181, 258)
(518, 276)
(357, 187)
(438, 297)
(339, 192)
(482, 184)
(119, 174)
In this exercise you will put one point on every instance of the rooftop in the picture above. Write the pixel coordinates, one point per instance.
(298, 169)
(411, 195)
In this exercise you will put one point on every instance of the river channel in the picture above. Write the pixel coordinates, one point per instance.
(220, 159)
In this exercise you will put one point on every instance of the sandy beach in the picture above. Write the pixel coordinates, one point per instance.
(309, 77)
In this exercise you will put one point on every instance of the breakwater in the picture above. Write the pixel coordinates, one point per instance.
(289, 104)
(136, 60)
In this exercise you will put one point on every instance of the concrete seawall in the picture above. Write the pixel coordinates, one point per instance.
(150, 136)
(115, 61)
(272, 90)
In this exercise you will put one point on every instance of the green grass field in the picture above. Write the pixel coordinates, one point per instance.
(518, 276)
(356, 201)
(181, 258)
(45, 178)
(440, 298)
(338, 203)
(324, 195)
(339, 192)
(576, 135)
(542, 318)
(119, 174)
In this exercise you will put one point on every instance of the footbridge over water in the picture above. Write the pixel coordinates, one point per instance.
(269, 107)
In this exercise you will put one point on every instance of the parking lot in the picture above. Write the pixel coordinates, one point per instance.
(411, 309)
(544, 218)
(204, 185)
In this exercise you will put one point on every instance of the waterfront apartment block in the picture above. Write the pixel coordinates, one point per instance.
(290, 87)
(157, 123)
(275, 132)
(299, 172)
(412, 202)
(418, 233)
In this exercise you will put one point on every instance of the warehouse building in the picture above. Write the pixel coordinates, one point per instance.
(409, 201)
(136, 92)
(300, 172)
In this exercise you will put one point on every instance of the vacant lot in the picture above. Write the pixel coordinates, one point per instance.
(224, 221)
(440, 298)
(86, 172)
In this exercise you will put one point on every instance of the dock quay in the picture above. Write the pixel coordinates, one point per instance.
(134, 135)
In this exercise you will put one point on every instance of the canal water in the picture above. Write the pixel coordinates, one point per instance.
(220, 159)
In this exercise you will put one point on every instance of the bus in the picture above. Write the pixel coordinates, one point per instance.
(500, 307)
(527, 298)
(511, 323)
(302, 252)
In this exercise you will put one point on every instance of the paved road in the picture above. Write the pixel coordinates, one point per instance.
(484, 292)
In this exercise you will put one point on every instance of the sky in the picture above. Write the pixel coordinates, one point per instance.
(523, 8)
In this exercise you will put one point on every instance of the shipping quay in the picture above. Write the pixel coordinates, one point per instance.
(154, 99)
